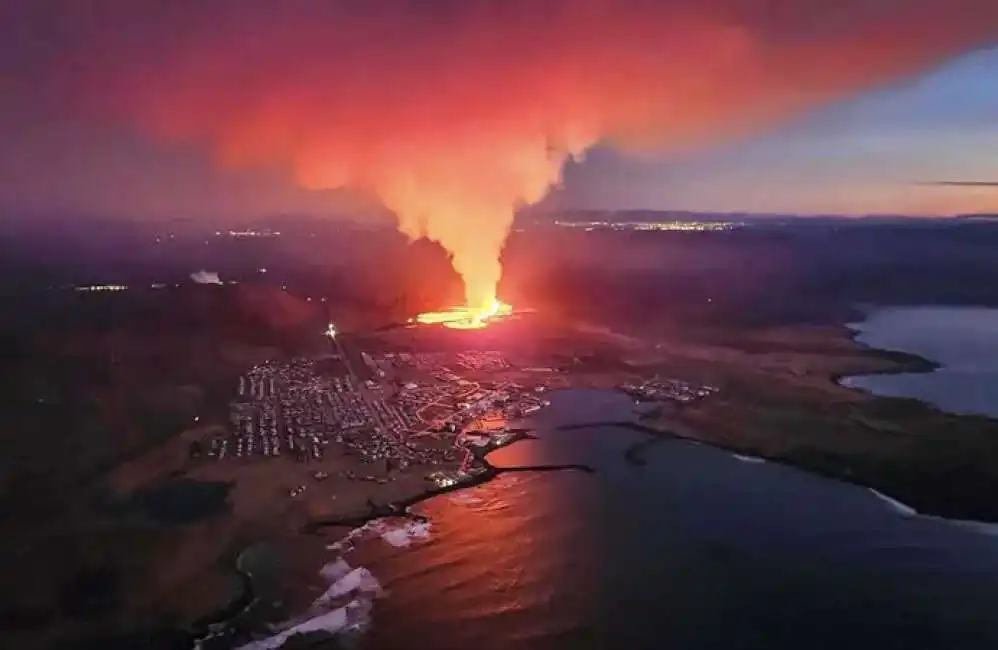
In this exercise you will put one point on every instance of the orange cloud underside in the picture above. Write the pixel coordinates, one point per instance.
(453, 113)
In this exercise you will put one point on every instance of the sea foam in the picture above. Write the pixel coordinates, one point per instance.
(354, 616)
(748, 459)
(344, 581)
(897, 506)
(980, 527)
(403, 535)
(465, 498)
(359, 580)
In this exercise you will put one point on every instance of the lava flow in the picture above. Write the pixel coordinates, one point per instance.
(466, 317)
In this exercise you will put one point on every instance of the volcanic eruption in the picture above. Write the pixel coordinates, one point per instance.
(454, 113)
(466, 317)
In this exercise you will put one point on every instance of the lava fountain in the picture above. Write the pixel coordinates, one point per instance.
(466, 317)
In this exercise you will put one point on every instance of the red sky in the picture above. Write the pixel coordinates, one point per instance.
(453, 112)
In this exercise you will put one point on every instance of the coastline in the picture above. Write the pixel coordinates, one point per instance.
(218, 623)
(908, 363)
(888, 484)
(483, 472)
(658, 434)
(905, 477)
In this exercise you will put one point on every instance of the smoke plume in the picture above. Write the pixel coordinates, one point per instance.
(206, 277)
(454, 112)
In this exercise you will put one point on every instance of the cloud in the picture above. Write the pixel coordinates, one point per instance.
(206, 277)
(959, 183)
(453, 112)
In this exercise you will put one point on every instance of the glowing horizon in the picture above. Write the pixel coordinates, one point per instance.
(451, 115)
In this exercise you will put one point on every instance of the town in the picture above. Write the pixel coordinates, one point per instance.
(414, 410)
(667, 390)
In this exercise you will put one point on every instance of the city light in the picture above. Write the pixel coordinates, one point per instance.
(103, 287)
(674, 225)
(330, 331)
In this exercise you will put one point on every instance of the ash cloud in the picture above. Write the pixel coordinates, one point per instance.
(453, 113)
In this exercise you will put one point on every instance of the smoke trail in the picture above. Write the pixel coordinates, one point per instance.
(206, 277)
(455, 112)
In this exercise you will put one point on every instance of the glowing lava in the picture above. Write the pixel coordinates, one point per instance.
(466, 318)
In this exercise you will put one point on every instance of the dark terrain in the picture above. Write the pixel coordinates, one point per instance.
(91, 380)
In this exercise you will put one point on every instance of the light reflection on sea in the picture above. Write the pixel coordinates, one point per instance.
(694, 550)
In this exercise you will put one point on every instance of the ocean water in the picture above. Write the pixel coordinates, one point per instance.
(963, 340)
(696, 549)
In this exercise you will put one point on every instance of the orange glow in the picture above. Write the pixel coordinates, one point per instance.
(466, 317)
(453, 114)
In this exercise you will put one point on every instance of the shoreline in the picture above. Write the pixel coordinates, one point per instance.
(914, 364)
(828, 466)
(657, 435)
(485, 472)
(909, 363)
(217, 623)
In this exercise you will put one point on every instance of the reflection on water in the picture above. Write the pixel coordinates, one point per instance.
(494, 557)
(694, 550)
(963, 340)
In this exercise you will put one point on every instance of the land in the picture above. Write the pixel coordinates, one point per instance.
(307, 442)
(780, 399)
(126, 522)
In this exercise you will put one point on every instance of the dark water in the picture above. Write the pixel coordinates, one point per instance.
(964, 340)
(694, 550)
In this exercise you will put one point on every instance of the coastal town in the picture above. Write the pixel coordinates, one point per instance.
(667, 390)
(435, 412)
(415, 410)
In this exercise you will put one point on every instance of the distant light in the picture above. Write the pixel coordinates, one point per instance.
(102, 287)
(330, 331)
(263, 270)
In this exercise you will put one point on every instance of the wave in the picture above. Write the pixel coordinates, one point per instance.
(897, 506)
(356, 581)
(980, 527)
(748, 459)
(984, 528)
(358, 584)
(335, 570)
(403, 535)
(466, 498)
(355, 616)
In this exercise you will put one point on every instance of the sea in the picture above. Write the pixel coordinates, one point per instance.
(694, 549)
(963, 340)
